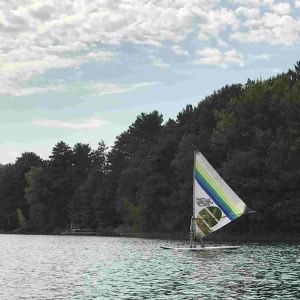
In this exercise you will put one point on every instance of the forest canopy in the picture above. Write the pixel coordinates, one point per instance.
(249, 132)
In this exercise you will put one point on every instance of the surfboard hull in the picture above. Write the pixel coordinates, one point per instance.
(208, 248)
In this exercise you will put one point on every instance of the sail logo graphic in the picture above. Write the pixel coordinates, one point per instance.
(204, 201)
(207, 218)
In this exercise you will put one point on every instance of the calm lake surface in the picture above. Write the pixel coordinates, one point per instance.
(77, 267)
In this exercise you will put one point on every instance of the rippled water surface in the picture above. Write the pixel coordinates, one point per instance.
(76, 267)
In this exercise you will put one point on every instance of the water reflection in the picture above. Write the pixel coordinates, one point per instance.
(66, 267)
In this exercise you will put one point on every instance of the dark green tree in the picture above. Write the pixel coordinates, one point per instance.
(12, 185)
(61, 175)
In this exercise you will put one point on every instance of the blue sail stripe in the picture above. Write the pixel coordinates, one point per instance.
(222, 207)
(215, 197)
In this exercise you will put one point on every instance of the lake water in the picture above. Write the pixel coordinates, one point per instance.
(77, 267)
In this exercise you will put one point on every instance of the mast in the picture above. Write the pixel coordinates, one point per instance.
(193, 219)
(192, 226)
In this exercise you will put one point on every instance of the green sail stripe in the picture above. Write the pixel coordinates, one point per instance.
(223, 197)
(216, 197)
(219, 191)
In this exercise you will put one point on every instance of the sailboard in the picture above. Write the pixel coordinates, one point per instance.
(204, 248)
(215, 205)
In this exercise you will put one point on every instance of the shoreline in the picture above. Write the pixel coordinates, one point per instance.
(267, 237)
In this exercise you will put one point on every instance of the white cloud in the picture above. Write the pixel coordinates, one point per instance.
(157, 62)
(263, 56)
(217, 21)
(209, 56)
(253, 2)
(102, 88)
(179, 50)
(270, 28)
(233, 57)
(38, 36)
(15, 90)
(222, 43)
(250, 13)
(282, 8)
(15, 70)
(88, 124)
(109, 88)
(213, 56)
(35, 36)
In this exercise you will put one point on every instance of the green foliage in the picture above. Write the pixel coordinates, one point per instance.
(225, 121)
(38, 196)
(134, 214)
(21, 218)
(12, 186)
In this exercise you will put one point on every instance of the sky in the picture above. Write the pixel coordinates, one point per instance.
(81, 71)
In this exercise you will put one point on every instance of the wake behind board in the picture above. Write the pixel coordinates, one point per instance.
(201, 248)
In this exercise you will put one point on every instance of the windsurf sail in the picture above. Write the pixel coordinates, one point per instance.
(215, 204)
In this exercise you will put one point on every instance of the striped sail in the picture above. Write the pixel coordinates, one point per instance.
(215, 203)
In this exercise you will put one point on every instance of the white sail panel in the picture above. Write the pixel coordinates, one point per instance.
(215, 203)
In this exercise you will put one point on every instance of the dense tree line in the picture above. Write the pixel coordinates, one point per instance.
(250, 133)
